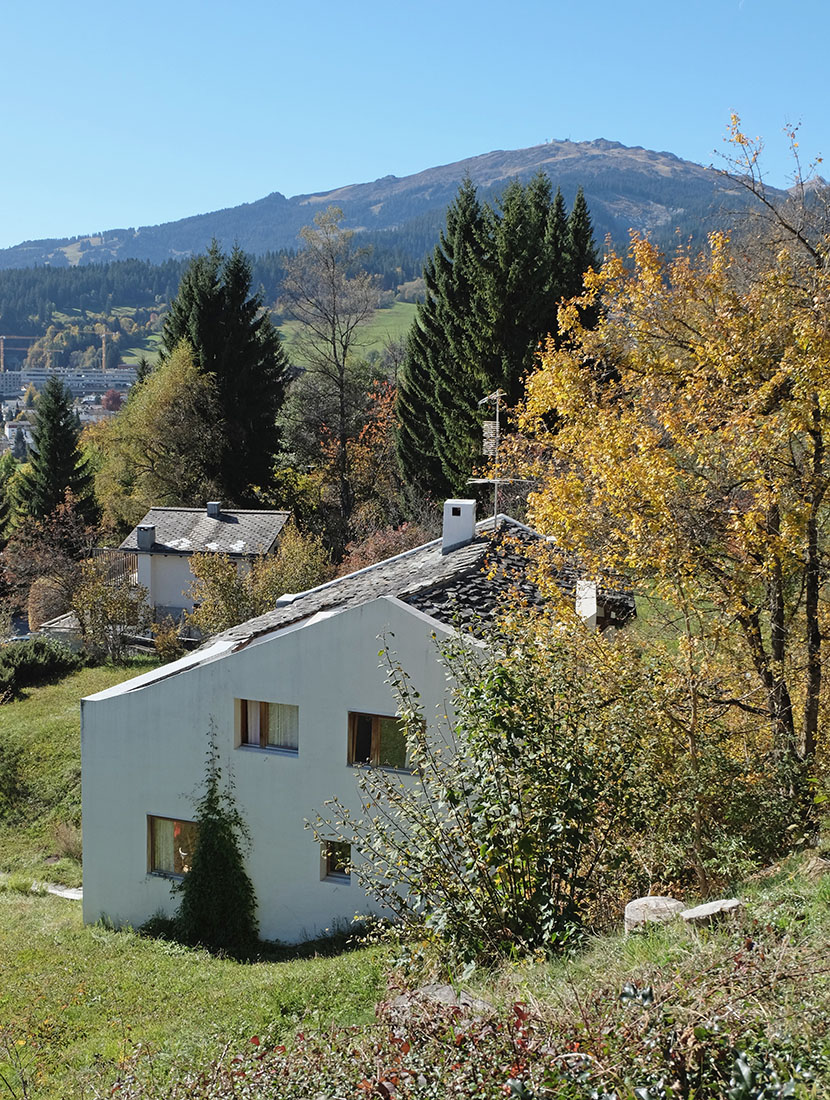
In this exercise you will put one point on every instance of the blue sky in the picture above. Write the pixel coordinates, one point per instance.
(120, 114)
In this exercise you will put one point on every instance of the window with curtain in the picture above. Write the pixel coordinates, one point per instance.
(268, 725)
(170, 845)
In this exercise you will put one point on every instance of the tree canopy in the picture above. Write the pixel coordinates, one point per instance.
(161, 448)
(236, 345)
(329, 294)
(702, 470)
(55, 461)
(492, 288)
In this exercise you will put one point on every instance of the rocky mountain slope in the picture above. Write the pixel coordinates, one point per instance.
(625, 187)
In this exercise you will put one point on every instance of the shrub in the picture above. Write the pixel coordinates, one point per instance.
(224, 596)
(12, 785)
(68, 841)
(107, 608)
(218, 903)
(504, 839)
(166, 639)
(33, 662)
(47, 600)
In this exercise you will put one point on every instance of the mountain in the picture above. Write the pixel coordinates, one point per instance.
(625, 188)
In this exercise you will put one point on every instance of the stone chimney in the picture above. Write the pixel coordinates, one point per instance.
(214, 508)
(146, 534)
(459, 524)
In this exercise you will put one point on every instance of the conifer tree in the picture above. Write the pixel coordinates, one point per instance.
(55, 461)
(582, 250)
(218, 903)
(440, 387)
(493, 285)
(234, 340)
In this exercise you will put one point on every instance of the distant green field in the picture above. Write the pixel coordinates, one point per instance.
(386, 326)
(148, 349)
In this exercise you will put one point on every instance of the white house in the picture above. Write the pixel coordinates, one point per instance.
(297, 699)
(166, 538)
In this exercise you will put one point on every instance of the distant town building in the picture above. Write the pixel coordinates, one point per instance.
(79, 382)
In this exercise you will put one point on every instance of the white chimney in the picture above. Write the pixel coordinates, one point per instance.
(586, 601)
(146, 534)
(459, 524)
(214, 508)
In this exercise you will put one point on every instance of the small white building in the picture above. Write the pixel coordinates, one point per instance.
(165, 540)
(12, 427)
(298, 700)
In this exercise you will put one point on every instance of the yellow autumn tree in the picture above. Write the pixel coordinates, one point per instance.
(225, 594)
(683, 442)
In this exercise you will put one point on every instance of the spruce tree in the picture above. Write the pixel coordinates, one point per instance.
(55, 461)
(234, 340)
(581, 248)
(442, 380)
(493, 286)
(218, 902)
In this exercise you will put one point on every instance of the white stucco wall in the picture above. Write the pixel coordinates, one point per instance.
(170, 578)
(143, 752)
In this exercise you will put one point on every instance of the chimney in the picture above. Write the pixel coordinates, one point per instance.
(459, 524)
(214, 508)
(146, 535)
(586, 601)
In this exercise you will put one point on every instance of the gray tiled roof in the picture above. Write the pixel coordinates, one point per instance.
(192, 530)
(454, 588)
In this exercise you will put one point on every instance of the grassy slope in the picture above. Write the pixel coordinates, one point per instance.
(76, 1000)
(386, 325)
(46, 724)
(80, 1003)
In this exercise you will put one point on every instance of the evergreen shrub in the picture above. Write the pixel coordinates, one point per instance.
(33, 662)
(218, 903)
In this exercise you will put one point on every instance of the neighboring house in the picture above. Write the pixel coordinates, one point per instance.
(12, 427)
(165, 540)
(297, 700)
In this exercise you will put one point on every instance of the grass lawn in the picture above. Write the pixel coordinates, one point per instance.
(46, 725)
(82, 1006)
(75, 1001)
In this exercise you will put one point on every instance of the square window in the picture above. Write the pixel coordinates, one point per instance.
(267, 725)
(335, 860)
(170, 845)
(378, 740)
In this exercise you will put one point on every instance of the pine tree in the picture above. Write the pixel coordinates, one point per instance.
(233, 339)
(55, 461)
(581, 248)
(218, 903)
(493, 285)
(442, 381)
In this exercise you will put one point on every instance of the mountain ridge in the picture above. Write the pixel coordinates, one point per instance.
(626, 187)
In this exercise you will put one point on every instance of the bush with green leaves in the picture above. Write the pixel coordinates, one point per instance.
(507, 832)
(218, 903)
(108, 607)
(32, 662)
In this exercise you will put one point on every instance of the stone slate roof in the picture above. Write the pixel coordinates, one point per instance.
(237, 532)
(457, 588)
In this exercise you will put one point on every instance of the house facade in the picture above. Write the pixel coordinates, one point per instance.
(165, 540)
(297, 701)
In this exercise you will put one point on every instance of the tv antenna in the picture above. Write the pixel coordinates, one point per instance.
(490, 447)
